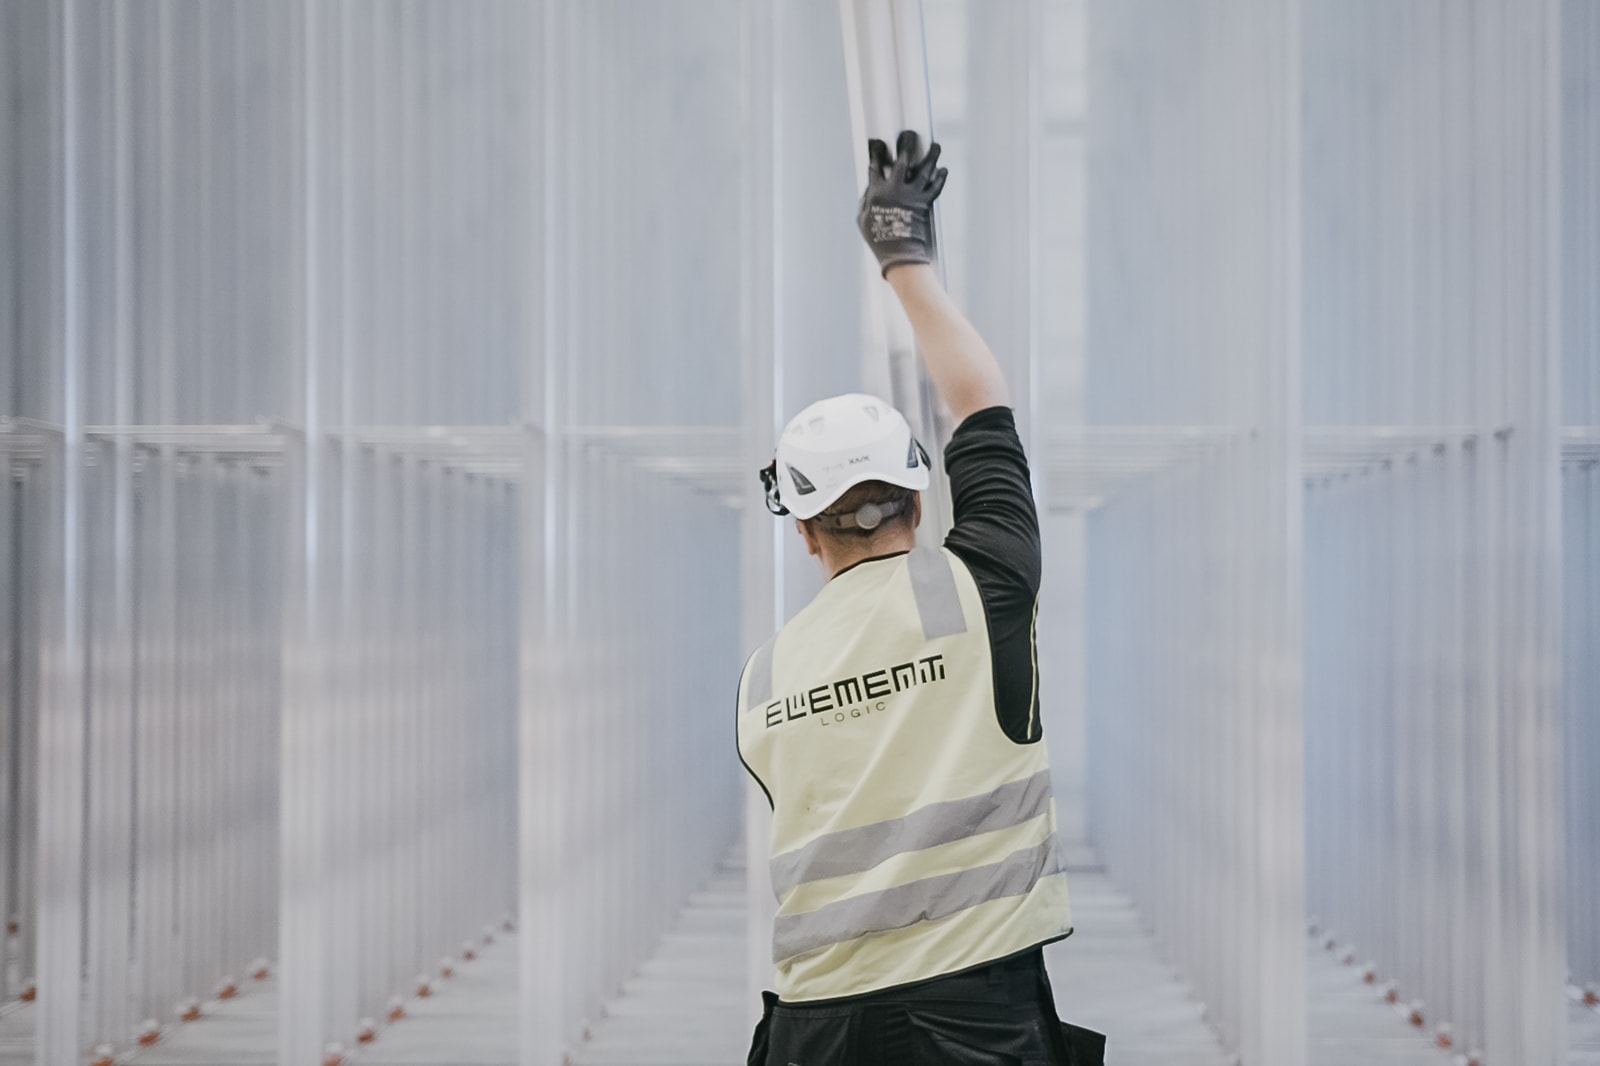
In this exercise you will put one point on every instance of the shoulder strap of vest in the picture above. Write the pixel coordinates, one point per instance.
(938, 601)
(758, 676)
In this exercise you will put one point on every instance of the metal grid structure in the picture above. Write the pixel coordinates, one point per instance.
(1432, 533)
(629, 795)
(381, 383)
(181, 396)
(1193, 571)
(1424, 324)
(302, 460)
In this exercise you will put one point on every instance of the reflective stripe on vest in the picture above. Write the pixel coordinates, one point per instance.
(938, 602)
(853, 851)
(758, 675)
(910, 836)
(927, 900)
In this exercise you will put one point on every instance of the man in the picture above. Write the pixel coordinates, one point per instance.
(894, 722)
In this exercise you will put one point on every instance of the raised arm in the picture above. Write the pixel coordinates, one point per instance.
(961, 365)
(896, 219)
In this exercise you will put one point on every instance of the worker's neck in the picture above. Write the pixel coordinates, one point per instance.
(839, 556)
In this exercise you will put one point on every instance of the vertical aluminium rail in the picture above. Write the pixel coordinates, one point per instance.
(11, 655)
(541, 770)
(61, 733)
(112, 695)
(32, 526)
(1580, 65)
(886, 67)
(1004, 137)
(762, 538)
(19, 477)
(301, 970)
(10, 715)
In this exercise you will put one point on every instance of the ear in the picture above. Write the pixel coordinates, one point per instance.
(916, 510)
(812, 544)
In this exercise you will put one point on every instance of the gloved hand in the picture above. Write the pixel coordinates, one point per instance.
(896, 215)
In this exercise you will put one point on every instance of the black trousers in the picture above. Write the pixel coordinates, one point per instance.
(1002, 1014)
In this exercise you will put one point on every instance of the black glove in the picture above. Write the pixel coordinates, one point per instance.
(896, 216)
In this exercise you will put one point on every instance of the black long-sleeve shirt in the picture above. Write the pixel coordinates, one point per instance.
(996, 533)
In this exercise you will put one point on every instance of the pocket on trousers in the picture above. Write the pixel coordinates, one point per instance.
(810, 1038)
(974, 1035)
(1085, 1047)
(761, 1039)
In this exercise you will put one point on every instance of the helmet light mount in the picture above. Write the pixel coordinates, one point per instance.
(868, 517)
(769, 489)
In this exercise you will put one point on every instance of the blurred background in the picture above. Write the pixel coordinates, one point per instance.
(383, 383)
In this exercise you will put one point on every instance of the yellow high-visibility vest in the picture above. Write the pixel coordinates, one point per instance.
(910, 836)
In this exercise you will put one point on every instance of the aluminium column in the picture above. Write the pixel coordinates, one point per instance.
(1004, 146)
(1580, 386)
(761, 537)
(63, 659)
(10, 511)
(1527, 393)
(111, 679)
(541, 778)
(302, 927)
(1278, 1033)
(10, 701)
(886, 66)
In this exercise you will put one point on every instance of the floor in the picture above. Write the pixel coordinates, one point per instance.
(685, 1005)
(1108, 977)
(1583, 1033)
(16, 1035)
(1351, 1025)
(240, 1032)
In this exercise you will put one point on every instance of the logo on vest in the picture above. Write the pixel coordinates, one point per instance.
(855, 697)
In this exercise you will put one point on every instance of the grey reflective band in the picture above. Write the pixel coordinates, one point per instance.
(927, 900)
(853, 851)
(758, 676)
(934, 584)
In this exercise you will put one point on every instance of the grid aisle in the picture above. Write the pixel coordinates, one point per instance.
(685, 1005)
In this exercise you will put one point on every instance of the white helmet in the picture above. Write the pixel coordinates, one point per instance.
(836, 444)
